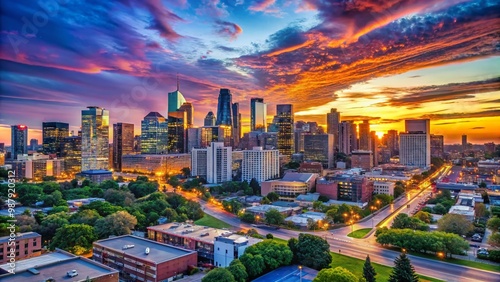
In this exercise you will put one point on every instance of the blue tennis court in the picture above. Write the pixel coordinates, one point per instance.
(289, 273)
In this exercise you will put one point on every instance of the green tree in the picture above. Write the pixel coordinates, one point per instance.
(480, 210)
(58, 209)
(119, 197)
(88, 217)
(292, 244)
(238, 270)
(273, 253)
(254, 264)
(494, 224)
(494, 239)
(402, 221)
(313, 251)
(424, 216)
(369, 272)
(186, 172)
(102, 207)
(29, 194)
(254, 184)
(119, 223)
(109, 184)
(74, 238)
(482, 185)
(248, 217)
(274, 217)
(51, 223)
(403, 271)
(142, 188)
(337, 274)
(455, 223)
(439, 209)
(174, 181)
(269, 236)
(273, 196)
(218, 275)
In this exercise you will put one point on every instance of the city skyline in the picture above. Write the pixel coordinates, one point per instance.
(382, 62)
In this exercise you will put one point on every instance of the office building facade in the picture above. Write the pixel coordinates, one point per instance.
(123, 143)
(332, 124)
(284, 119)
(362, 159)
(437, 146)
(210, 119)
(177, 132)
(364, 136)
(345, 137)
(189, 110)
(175, 100)
(154, 134)
(218, 164)
(415, 144)
(53, 133)
(236, 130)
(95, 138)
(260, 164)
(19, 140)
(219, 133)
(258, 114)
(319, 148)
(224, 108)
(72, 154)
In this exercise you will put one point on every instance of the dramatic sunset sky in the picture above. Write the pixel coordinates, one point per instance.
(383, 60)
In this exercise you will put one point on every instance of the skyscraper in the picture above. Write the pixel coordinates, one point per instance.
(224, 108)
(415, 143)
(354, 137)
(188, 108)
(95, 138)
(53, 133)
(284, 116)
(260, 164)
(123, 143)
(374, 144)
(175, 99)
(437, 146)
(464, 143)
(214, 162)
(209, 119)
(319, 148)
(236, 124)
(332, 124)
(258, 114)
(33, 144)
(364, 136)
(177, 132)
(345, 137)
(154, 134)
(19, 140)
(393, 142)
(71, 151)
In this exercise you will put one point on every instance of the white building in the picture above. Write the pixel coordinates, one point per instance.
(415, 143)
(466, 211)
(260, 164)
(228, 247)
(218, 165)
(384, 188)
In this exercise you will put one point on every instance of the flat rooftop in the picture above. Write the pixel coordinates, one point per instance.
(196, 232)
(20, 236)
(84, 267)
(45, 259)
(297, 176)
(266, 208)
(158, 252)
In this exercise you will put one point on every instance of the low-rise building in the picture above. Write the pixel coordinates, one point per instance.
(307, 200)
(155, 164)
(260, 211)
(55, 266)
(201, 239)
(383, 188)
(362, 159)
(96, 175)
(352, 188)
(228, 247)
(303, 219)
(141, 259)
(466, 211)
(290, 186)
(25, 245)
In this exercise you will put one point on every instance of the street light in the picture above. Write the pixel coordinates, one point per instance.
(300, 269)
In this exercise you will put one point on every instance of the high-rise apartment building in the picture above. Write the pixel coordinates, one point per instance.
(95, 138)
(236, 124)
(19, 140)
(177, 132)
(53, 133)
(189, 109)
(437, 146)
(260, 164)
(224, 108)
(319, 148)
(210, 119)
(332, 124)
(123, 143)
(154, 134)
(354, 137)
(284, 116)
(415, 143)
(220, 133)
(33, 144)
(345, 140)
(374, 144)
(218, 165)
(393, 142)
(258, 114)
(364, 136)
(464, 143)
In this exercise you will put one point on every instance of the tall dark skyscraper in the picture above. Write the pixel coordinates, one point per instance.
(209, 119)
(224, 108)
(354, 137)
(393, 142)
(437, 146)
(189, 109)
(33, 144)
(53, 134)
(364, 136)
(464, 143)
(71, 151)
(177, 132)
(284, 118)
(332, 125)
(345, 139)
(123, 143)
(236, 124)
(258, 115)
(95, 138)
(19, 140)
(154, 134)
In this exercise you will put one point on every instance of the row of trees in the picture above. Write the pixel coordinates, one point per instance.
(421, 241)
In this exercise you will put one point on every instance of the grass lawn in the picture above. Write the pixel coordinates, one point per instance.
(470, 263)
(208, 220)
(355, 266)
(360, 233)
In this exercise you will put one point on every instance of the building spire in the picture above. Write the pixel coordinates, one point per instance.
(177, 81)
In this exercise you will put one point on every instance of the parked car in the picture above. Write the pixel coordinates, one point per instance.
(72, 273)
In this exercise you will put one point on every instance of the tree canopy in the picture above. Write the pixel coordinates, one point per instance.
(74, 238)
(369, 272)
(403, 271)
(273, 256)
(238, 270)
(337, 274)
(119, 223)
(313, 251)
(274, 217)
(402, 221)
(218, 275)
(455, 223)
